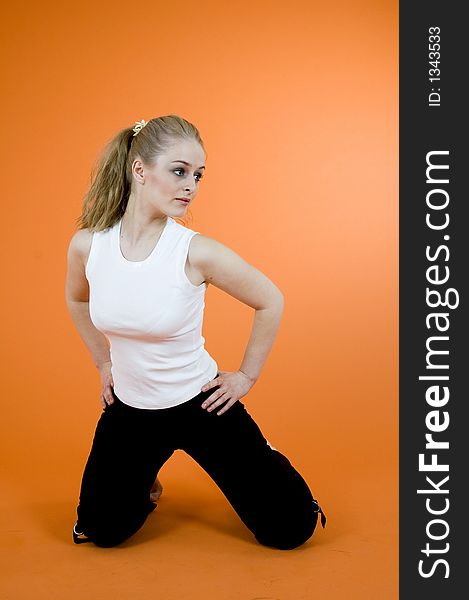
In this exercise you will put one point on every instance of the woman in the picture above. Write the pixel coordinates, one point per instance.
(138, 278)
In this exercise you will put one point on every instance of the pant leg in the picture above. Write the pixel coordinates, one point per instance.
(127, 452)
(267, 492)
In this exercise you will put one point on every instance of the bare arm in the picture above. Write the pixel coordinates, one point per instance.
(264, 331)
(77, 298)
(227, 271)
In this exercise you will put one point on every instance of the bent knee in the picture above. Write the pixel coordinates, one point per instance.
(288, 535)
(108, 535)
(107, 530)
(105, 537)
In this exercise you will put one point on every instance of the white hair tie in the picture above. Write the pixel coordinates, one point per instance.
(139, 125)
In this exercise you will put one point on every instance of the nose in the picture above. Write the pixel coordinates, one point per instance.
(190, 187)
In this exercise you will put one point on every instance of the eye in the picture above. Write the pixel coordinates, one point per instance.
(198, 175)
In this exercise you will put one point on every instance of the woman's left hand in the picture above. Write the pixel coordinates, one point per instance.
(231, 386)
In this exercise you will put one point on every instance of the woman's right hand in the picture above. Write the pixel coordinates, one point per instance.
(107, 384)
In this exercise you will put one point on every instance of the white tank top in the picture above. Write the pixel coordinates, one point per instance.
(152, 315)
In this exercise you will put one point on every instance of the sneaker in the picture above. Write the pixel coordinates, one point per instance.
(156, 491)
(78, 536)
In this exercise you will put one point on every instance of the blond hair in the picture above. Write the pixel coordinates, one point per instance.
(106, 200)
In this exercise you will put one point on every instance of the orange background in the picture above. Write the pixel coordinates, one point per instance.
(297, 104)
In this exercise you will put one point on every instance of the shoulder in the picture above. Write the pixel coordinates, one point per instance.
(80, 244)
(203, 249)
(205, 254)
(211, 258)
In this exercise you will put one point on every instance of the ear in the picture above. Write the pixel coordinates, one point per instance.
(138, 170)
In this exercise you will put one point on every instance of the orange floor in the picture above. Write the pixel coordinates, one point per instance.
(194, 545)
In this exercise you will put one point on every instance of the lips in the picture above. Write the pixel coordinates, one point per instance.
(183, 199)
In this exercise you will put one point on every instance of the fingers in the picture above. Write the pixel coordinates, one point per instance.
(227, 406)
(210, 384)
(217, 381)
(220, 396)
(215, 401)
(106, 397)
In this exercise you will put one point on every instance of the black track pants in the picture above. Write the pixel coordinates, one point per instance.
(132, 444)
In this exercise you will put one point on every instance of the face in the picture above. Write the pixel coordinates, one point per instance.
(176, 174)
